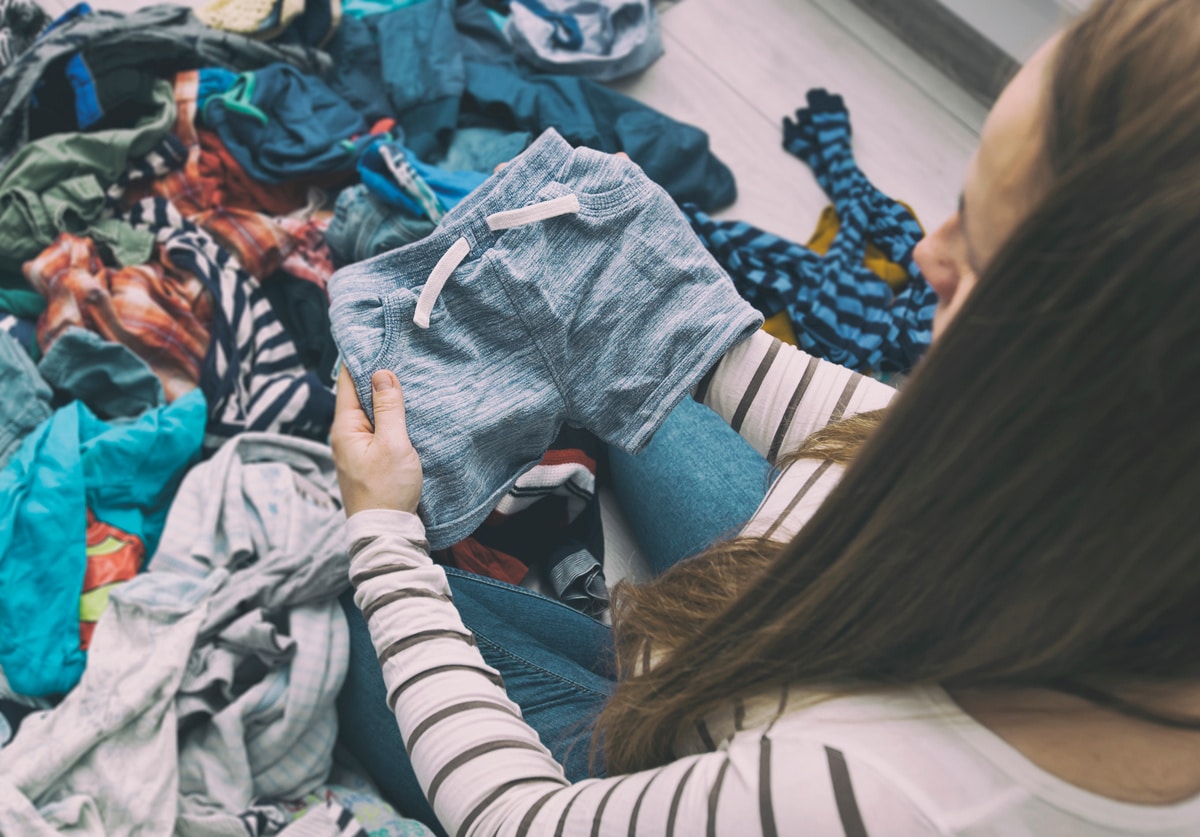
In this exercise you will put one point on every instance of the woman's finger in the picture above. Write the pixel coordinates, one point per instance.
(348, 409)
(389, 405)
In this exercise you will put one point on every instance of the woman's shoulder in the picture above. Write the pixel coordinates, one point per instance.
(913, 756)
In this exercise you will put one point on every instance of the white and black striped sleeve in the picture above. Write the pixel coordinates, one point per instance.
(775, 395)
(485, 770)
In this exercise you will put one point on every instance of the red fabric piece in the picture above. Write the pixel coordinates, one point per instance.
(113, 557)
(382, 126)
(474, 557)
(311, 260)
(569, 456)
(233, 188)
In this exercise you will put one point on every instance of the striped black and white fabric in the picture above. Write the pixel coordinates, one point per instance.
(328, 820)
(776, 397)
(170, 154)
(252, 376)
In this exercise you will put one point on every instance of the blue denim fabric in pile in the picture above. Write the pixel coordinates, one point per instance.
(574, 293)
(841, 311)
(364, 226)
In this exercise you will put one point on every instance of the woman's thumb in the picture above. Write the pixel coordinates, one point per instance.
(388, 402)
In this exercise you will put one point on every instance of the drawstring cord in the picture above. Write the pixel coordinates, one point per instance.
(460, 249)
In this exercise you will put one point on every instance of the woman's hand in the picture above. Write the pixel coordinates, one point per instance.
(377, 469)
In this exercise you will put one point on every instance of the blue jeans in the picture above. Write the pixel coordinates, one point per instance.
(695, 483)
(554, 660)
(363, 226)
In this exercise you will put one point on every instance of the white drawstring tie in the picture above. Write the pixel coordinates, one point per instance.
(566, 205)
(437, 280)
(460, 249)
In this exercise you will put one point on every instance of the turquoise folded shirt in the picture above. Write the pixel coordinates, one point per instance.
(127, 474)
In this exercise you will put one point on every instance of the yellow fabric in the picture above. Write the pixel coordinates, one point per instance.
(246, 17)
(780, 325)
(875, 261)
(93, 603)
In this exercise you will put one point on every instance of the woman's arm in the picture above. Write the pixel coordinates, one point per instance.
(485, 770)
(775, 395)
(482, 767)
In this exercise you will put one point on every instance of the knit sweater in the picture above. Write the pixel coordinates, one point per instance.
(787, 762)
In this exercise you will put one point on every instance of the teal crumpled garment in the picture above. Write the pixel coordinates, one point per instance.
(127, 474)
(59, 183)
(108, 377)
(25, 400)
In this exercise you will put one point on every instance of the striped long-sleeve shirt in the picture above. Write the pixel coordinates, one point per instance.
(903, 763)
(776, 397)
(485, 770)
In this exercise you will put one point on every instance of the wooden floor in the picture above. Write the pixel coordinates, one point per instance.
(736, 69)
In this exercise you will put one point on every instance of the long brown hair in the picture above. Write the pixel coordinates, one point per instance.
(1025, 514)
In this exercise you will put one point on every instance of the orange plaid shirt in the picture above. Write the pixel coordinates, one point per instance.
(161, 314)
(257, 241)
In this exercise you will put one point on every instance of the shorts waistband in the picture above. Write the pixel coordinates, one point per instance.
(549, 159)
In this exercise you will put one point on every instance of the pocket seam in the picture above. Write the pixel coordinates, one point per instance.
(391, 324)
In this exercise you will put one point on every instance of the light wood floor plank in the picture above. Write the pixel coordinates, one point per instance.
(773, 51)
(775, 190)
(937, 86)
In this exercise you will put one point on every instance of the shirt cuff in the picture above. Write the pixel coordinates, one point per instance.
(371, 523)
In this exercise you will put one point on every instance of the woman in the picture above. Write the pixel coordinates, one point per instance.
(988, 625)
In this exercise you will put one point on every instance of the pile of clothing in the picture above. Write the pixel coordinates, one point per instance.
(177, 189)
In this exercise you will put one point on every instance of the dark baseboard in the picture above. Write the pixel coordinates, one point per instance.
(948, 42)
